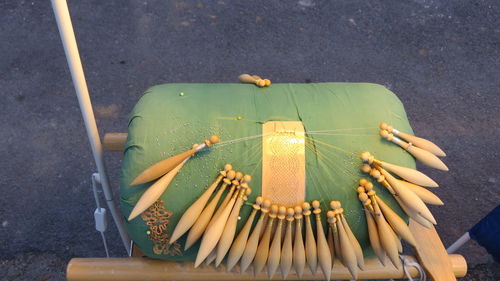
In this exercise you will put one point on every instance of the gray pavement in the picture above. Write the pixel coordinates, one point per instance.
(440, 57)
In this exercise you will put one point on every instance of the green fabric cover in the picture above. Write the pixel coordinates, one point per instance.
(169, 118)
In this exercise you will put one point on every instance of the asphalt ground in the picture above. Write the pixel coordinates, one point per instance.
(440, 57)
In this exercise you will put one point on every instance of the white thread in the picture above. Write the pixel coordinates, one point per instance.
(200, 146)
(351, 135)
(406, 263)
(238, 140)
(396, 140)
(342, 129)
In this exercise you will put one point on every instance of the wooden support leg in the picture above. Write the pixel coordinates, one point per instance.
(431, 253)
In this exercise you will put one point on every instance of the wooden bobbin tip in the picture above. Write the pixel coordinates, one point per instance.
(366, 168)
(368, 185)
(289, 213)
(266, 205)
(365, 156)
(315, 204)
(274, 210)
(367, 202)
(385, 134)
(375, 173)
(228, 167)
(362, 181)
(362, 196)
(238, 176)
(298, 211)
(247, 178)
(383, 126)
(306, 207)
(259, 200)
(281, 212)
(248, 191)
(231, 174)
(360, 189)
(214, 139)
(331, 216)
(335, 204)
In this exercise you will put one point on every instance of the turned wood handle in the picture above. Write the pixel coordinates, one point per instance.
(115, 141)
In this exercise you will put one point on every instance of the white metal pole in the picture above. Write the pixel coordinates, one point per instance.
(459, 243)
(63, 18)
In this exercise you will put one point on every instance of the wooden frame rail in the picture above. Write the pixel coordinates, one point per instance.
(430, 254)
(135, 269)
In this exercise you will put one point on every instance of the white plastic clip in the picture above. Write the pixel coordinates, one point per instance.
(101, 222)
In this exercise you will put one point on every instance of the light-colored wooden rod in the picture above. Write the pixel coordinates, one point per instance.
(129, 269)
(115, 141)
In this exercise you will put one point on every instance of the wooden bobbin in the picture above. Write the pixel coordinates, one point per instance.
(414, 140)
(424, 194)
(254, 79)
(385, 234)
(352, 238)
(409, 198)
(424, 156)
(299, 254)
(213, 232)
(241, 240)
(310, 244)
(266, 81)
(414, 215)
(408, 174)
(253, 240)
(235, 186)
(378, 176)
(372, 226)
(331, 242)
(275, 250)
(263, 249)
(287, 249)
(346, 247)
(396, 222)
(206, 215)
(193, 213)
(161, 168)
(230, 228)
(363, 197)
(334, 247)
(332, 221)
(324, 254)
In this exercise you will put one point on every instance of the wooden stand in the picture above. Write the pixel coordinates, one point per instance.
(133, 269)
(430, 254)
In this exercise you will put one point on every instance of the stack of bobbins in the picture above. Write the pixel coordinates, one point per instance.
(416, 147)
(347, 247)
(272, 243)
(410, 196)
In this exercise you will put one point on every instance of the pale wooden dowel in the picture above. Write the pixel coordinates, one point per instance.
(134, 269)
(115, 141)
